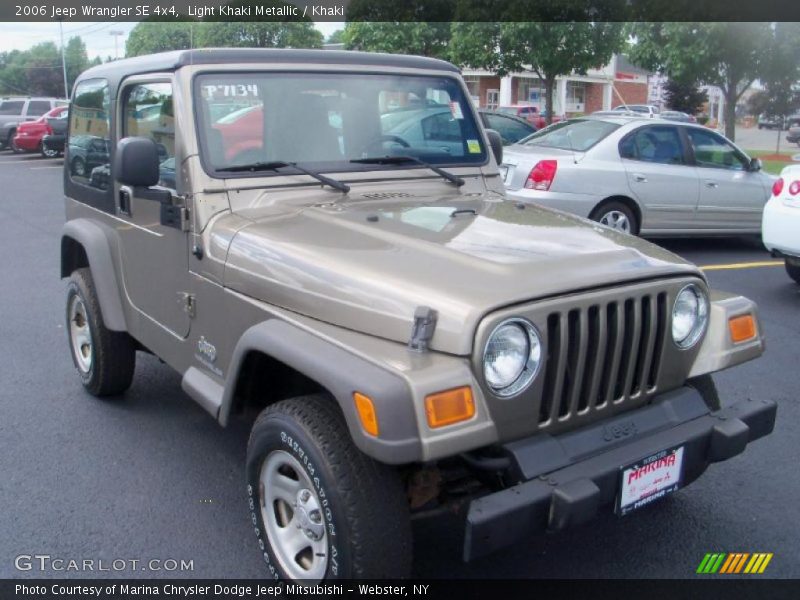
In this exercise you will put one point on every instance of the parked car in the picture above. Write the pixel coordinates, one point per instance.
(412, 342)
(771, 122)
(511, 128)
(53, 143)
(782, 220)
(530, 113)
(644, 176)
(676, 115)
(85, 152)
(648, 110)
(29, 135)
(14, 111)
(793, 136)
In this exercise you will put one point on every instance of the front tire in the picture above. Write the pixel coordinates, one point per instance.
(616, 215)
(105, 360)
(793, 269)
(48, 152)
(321, 509)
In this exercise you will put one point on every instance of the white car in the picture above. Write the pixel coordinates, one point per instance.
(782, 220)
(646, 110)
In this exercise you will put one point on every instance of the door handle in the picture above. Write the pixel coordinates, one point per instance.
(639, 177)
(712, 184)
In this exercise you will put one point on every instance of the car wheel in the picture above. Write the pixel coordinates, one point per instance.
(79, 167)
(320, 508)
(105, 359)
(793, 269)
(9, 139)
(48, 152)
(616, 215)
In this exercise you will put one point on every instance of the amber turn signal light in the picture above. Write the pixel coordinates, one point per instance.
(450, 406)
(366, 413)
(742, 328)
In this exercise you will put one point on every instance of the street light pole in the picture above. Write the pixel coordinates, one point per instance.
(116, 33)
(63, 59)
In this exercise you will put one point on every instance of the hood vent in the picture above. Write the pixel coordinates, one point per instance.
(387, 195)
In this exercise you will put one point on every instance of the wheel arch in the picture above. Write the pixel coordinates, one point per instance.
(315, 364)
(85, 244)
(627, 201)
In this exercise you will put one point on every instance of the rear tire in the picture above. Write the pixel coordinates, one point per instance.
(617, 215)
(105, 360)
(793, 269)
(321, 508)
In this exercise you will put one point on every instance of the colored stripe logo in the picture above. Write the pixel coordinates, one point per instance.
(731, 563)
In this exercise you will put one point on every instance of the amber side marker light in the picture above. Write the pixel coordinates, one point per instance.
(450, 406)
(742, 328)
(366, 413)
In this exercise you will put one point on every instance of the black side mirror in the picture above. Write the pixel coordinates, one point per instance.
(136, 162)
(755, 164)
(496, 142)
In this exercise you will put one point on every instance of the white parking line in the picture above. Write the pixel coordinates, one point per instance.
(40, 168)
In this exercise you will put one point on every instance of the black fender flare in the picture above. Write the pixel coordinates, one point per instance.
(341, 372)
(94, 240)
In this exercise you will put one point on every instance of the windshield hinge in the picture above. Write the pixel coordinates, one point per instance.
(189, 303)
(422, 331)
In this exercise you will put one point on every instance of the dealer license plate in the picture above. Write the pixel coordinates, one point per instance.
(649, 479)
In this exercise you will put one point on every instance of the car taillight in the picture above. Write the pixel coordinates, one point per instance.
(542, 175)
(777, 187)
(794, 189)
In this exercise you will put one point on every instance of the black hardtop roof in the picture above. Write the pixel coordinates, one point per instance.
(170, 61)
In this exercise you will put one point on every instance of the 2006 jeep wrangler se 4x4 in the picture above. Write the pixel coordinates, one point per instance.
(322, 237)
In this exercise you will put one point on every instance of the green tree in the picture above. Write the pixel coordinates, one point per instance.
(43, 71)
(336, 37)
(258, 34)
(149, 37)
(75, 58)
(547, 49)
(727, 55)
(686, 97)
(423, 39)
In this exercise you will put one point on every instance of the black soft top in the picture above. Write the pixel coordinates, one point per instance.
(170, 61)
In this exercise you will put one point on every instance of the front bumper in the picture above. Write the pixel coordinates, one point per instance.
(780, 224)
(567, 479)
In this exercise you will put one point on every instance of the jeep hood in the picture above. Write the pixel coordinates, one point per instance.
(367, 265)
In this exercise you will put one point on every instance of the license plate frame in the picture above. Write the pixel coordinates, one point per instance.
(649, 479)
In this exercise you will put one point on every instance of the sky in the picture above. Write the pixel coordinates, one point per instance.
(99, 37)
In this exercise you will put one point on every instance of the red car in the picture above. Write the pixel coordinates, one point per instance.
(29, 134)
(530, 113)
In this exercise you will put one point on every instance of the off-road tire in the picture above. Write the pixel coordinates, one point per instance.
(368, 526)
(614, 205)
(113, 352)
(793, 269)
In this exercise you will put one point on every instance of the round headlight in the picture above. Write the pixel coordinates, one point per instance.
(512, 356)
(689, 316)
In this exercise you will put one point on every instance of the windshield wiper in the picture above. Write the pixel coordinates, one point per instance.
(279, 164)
(394, 160)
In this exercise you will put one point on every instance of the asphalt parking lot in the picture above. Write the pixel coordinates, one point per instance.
(153, 476)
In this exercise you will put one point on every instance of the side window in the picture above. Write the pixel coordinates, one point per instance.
(710, 150)
(89, 139)
(510, 130)
(658, 144)
(148, 112)
(36, 108)
(11, 107)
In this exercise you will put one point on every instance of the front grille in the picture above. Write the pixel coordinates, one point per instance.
(601, 355)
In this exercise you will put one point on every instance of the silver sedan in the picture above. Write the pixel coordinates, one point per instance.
(642, 176)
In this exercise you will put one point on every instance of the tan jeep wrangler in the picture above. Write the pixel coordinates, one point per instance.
(321, 238)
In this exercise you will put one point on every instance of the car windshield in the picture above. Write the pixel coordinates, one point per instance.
(576, 134)
(326, 120)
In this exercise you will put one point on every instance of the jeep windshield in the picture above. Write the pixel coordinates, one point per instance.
(331, 122)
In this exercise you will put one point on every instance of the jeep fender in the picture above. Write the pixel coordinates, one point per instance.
(341, 372)
(95, 243)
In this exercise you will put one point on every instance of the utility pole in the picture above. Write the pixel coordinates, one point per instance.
(116, 33)
(63, 59)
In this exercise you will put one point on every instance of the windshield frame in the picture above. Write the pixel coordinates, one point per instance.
(346, 166)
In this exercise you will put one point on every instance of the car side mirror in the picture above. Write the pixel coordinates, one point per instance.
(136, 162)
(496, 142)
(755, 164)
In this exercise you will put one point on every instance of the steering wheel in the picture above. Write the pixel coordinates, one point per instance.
(384, 138)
